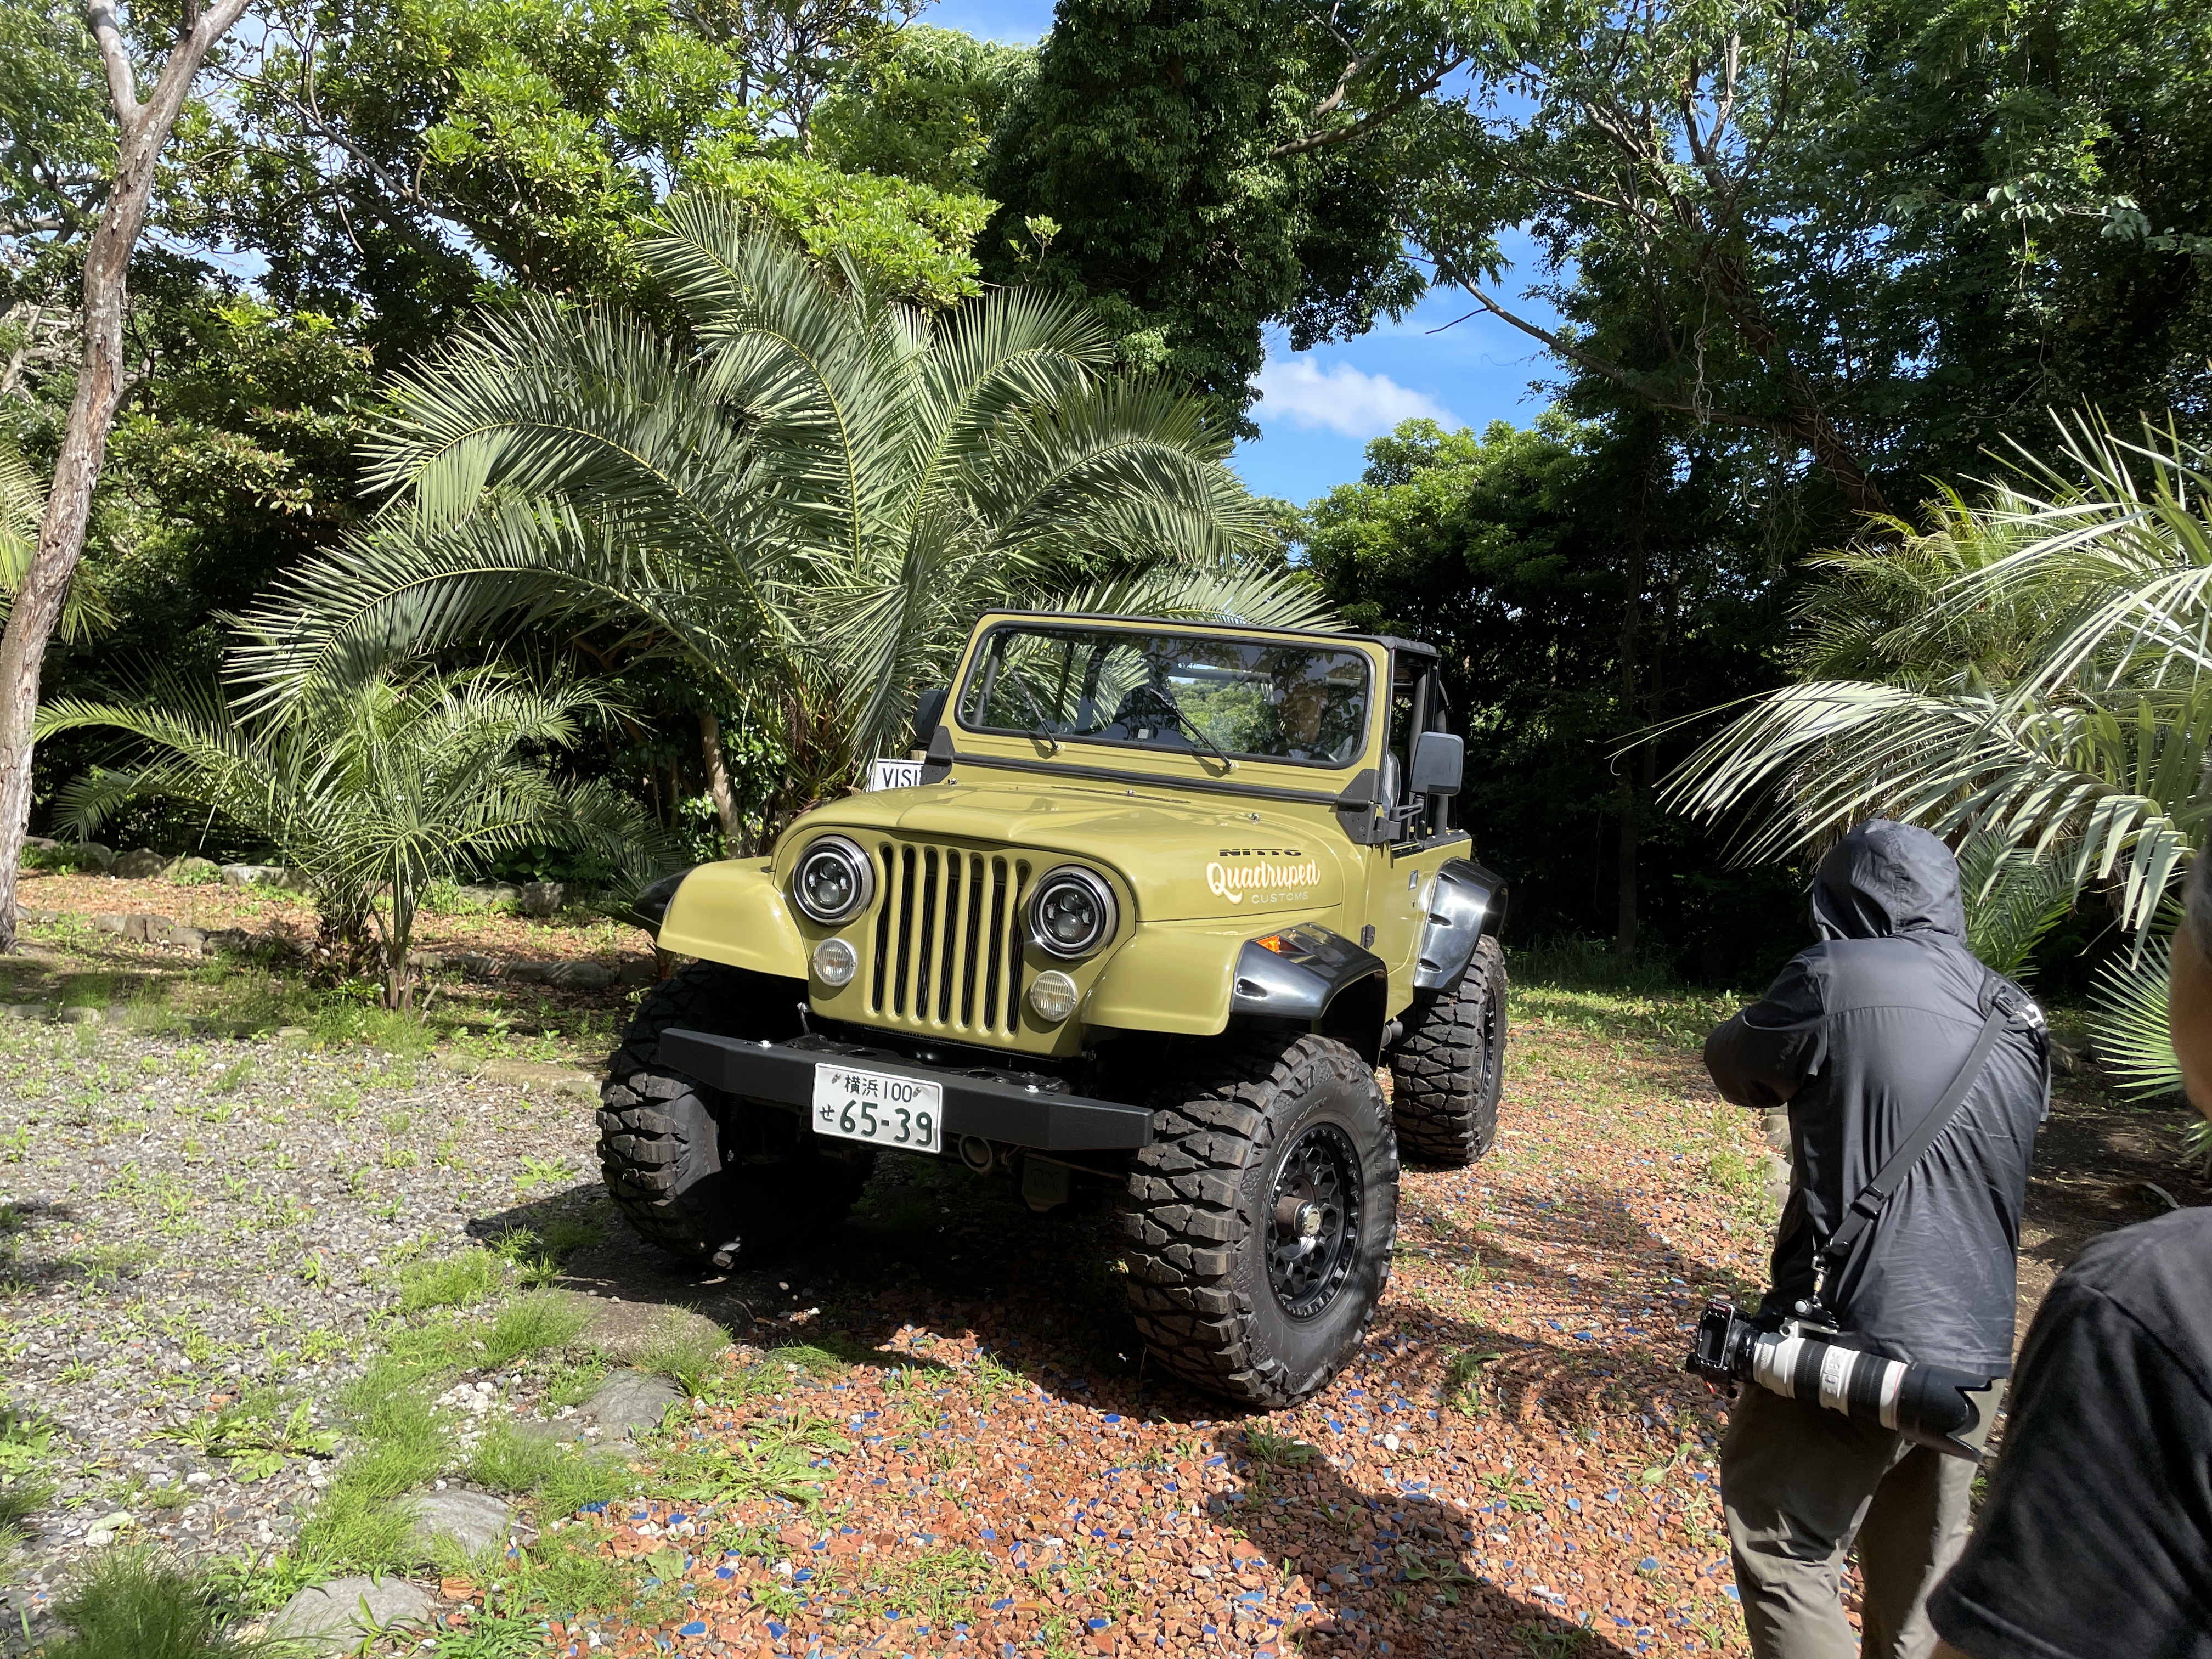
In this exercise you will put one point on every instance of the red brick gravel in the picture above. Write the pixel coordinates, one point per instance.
(1515, 1465)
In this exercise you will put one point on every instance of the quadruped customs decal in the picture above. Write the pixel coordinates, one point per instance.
(1280, 872)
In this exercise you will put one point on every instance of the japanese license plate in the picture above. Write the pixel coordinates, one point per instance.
(879, 1107)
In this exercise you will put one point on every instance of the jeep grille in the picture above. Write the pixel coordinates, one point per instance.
(948, 954)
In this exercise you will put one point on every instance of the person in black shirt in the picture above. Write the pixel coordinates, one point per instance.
(1861, 1037)
(2096, 1542)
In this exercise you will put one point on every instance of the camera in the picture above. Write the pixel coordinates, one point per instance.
(1932, 1405)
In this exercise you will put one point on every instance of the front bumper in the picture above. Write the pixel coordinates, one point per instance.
(992, 1104)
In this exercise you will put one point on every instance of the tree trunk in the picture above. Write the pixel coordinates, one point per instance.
(718, 779)
(143, 129)
(1631, 630)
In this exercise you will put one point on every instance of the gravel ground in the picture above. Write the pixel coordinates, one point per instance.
(938, 1434)
(185, 1223)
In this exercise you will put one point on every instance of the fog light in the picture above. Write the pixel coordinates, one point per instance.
(835, 961)
(1052, 993)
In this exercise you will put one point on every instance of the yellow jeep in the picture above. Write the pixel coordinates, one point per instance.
(1158, 900)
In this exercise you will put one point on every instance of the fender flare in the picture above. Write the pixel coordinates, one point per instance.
(1465, 901)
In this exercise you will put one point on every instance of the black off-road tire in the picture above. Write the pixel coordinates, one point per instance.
(706, 1176)
(1448, 1069)
(1203, 1211)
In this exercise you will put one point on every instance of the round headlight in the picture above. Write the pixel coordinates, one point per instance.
(1071, 912)
(835, 961)
(833, 880)
(1052, 993)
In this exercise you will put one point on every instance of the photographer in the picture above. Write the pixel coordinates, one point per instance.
(2097, 1538)
(1864, 1037)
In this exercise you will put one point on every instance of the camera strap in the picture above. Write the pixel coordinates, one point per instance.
(1869, 1202)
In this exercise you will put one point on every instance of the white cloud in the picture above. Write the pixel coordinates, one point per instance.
(1340, 398)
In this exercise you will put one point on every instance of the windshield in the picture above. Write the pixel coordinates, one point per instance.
(1250, 699)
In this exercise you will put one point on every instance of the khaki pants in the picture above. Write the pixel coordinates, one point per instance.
(1801, 1487)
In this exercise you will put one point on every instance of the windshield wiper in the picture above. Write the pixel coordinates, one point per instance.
(1198, 738)
(1041, 729)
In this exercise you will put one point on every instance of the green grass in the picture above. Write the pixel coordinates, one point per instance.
(453, 1281)
(129, 1603)
(1581, 983)
(561, 1481)
(530, 1325)
(687, 1349)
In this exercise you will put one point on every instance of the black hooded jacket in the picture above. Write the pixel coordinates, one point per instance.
(1860, 1037)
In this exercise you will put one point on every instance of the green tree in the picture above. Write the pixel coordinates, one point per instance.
(925, 107)
(374, 788)
(1582, 581)
(399, 152)
(1861, 235)
(2031, 670)
(1200, 170)
(806, 497)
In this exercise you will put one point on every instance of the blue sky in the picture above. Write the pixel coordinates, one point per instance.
(1320, 407)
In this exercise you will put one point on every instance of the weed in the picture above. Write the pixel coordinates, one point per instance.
(530, 1325)
(933, 1586)
(128, 1602)
(1279, 1450)
(687, 1349)
(1463, 1380)
(561, 1481)
(1542, 1643)
(565, 1571)
(454, 1281)
(775, 1457)
(541, 1172)
(233, 1077)
(568, 1234)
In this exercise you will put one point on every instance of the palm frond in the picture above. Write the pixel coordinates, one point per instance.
(2128, 1024)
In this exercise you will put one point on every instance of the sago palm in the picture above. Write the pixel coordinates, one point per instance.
(807, 493)
(2036, 671)
(374, 788)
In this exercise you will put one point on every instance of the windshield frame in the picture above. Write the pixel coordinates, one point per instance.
(979, 656)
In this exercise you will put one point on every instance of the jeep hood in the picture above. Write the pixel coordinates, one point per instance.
(1181, 861)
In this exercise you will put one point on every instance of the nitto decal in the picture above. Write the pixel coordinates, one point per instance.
(1260, 881)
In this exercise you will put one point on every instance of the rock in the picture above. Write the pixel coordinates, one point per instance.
(92, 853)
(581, 977)
(189, 939)
(341, 1615)
(32, 913)
(291, 1033)
(44, 843)
(643, 971)
(193, 872)
(110, 922)
(472, 1521)
(38, 1011)
(252, 875)
(149, 930)
(490, 894)
(629, 1400)
(545, 898)
(143, 865)
(81, 1016)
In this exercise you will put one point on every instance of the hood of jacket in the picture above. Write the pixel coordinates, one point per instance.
(1885, 878)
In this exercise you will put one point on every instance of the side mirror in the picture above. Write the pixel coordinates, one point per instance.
(1439, 764)
(928, 714)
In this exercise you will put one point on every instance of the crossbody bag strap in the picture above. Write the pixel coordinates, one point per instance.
(1868, 1204)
